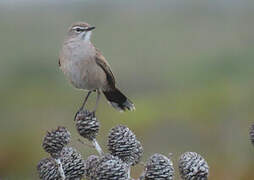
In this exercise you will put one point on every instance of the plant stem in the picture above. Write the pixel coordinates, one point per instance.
(142, 177)
(60, 168)
(129, 173)
(97, 147)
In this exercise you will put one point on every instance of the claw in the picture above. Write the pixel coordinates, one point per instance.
(77, 113)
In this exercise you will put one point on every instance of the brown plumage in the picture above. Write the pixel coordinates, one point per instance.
(101, 61)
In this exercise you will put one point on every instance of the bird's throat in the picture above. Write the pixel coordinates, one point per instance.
(87, 36)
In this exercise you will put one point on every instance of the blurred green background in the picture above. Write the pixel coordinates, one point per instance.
(187, 65)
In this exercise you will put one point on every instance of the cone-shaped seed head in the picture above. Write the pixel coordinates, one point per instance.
(138, 153)
(72, 163)
(252, 133)
(91, 164)
(110, 168)
(192, 166)
(159, 167)
(47, 169)
(123, 144)
(87, 124)
(55, 140)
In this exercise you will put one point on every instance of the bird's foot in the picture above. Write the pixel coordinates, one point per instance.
(81, 109)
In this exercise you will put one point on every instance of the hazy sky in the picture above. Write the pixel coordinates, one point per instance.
(222, 2)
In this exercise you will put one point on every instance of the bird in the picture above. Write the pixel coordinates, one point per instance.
(86, 68)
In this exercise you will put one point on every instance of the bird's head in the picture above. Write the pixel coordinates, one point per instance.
(81, 30)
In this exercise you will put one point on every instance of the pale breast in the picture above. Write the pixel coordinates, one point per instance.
(78, 64)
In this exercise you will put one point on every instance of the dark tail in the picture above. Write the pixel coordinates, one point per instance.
(118, 100)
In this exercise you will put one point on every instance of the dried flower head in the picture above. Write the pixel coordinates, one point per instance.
(87, 124)
(110, 168)
(55, 140)
(252, 134)
(48, 169)
(73, 163)
(192, 166)
(91, 164)
(159, 167)
(138, 153)
(123, 144)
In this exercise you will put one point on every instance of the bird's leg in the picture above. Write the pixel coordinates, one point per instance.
(83, 105)
(97, 100)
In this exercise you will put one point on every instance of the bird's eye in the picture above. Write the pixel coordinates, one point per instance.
(78, 30)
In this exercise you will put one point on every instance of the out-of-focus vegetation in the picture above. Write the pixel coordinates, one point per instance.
(187, 65)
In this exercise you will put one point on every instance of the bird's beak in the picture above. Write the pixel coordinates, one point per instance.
(90, 28)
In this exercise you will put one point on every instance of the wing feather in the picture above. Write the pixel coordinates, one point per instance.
(102, 62)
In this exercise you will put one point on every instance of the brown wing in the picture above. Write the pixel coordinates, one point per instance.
(101, 61)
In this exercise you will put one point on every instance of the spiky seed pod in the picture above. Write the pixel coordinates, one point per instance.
(73, 163)
(252, 133)
(90, 165)
(193, 166)
(110, 168)
(138, 153)
(55, 140)
(123, 144)
(87, 124)
(48, 169)
(159, 167)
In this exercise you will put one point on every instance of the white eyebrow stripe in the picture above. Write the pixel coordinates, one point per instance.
(78, 27)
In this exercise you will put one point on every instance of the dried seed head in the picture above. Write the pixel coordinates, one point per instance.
(91, 164)
(138, 153)
(159, 167)
(73, 163)
(110, 168)
(48, 169)
(123, 144)
(87, 124)
(252, 133)
(192, 166)
(55, 140)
